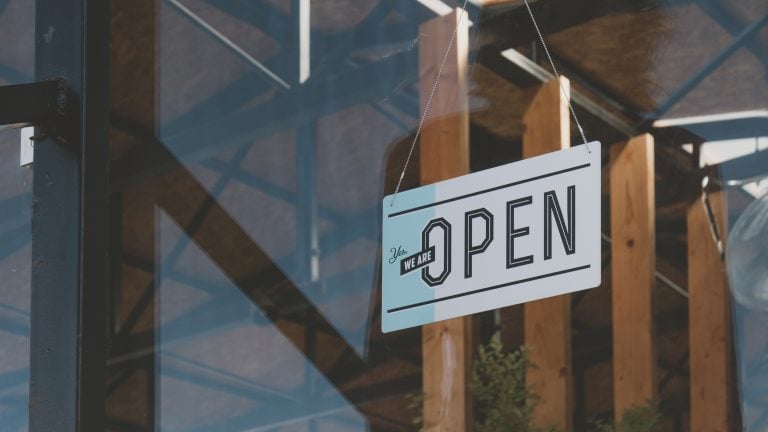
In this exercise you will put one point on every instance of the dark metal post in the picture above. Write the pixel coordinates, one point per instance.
(69, 281)
(307, 235)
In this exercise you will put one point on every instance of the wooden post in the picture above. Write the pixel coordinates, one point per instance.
(444, 153)
(134, 93)
(709, 322)
(633, 261)
(546, 128)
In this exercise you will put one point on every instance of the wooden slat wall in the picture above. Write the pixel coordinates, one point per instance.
(548, 322)
(444, 153)
(633, 263)
(709, 322)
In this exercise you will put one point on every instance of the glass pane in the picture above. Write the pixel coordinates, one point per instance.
(17, 41)
(17, 55)
(247, 185)
(15, 274)
(742, 166)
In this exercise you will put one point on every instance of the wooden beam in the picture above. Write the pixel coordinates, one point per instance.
(444, 141)
(709, 322)
(444, 153)
(633, 260)
(546, 128)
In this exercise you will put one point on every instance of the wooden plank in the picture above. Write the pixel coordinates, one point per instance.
(447, 354)
(709, 322)
(444, 141)
(546, 128)
(444, 153)
(633, 261)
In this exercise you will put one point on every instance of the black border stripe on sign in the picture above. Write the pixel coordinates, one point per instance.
(517, 282)
(495, 188)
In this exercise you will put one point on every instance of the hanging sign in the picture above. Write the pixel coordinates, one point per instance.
(503, 236)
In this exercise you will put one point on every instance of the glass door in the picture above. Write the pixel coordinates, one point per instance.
(17, 56)
(16, 277)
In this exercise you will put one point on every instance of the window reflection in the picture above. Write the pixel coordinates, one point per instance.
(15, 274)
(17, 41)
(245, 291)
(17, 56)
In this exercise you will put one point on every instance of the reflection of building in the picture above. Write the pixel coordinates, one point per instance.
(247, 169)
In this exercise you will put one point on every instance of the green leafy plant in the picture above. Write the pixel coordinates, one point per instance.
(635, 419)
(503, 400)
(416, 405)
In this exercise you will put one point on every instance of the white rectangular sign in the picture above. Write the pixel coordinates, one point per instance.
(503, 236)
(27, 149)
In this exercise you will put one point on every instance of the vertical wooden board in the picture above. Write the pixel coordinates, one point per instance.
(447, 351)
(444, 140)
(444, 153)
(548, 331)
(546, 122)
(633, 261)
(709, 322)
(546, 126)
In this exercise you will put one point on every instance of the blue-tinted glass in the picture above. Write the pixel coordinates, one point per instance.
(251, 150)
(15, 268)
(17, 55)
